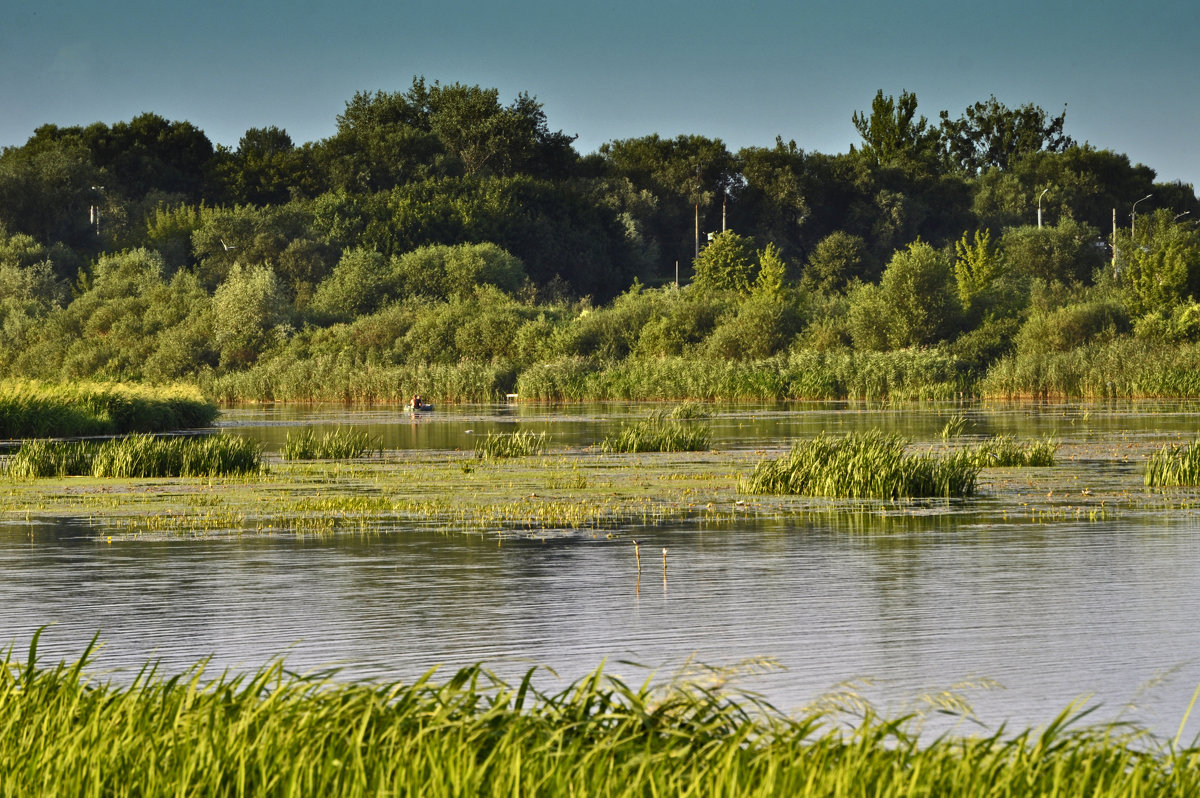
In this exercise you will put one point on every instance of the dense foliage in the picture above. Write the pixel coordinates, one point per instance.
(442, 242)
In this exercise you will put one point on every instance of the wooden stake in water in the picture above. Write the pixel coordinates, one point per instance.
(637, 552)
(664, 561)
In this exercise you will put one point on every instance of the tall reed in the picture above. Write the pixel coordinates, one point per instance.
(31, 409)
(137, 456)
(511, 444)
(674, 429)
(1174, 465)
(1005, 451)
(869, 465)
(272, 732)
(336, 445)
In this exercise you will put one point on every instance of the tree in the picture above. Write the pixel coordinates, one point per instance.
(726, 264)
(1068, 252)
(838, 257)
(989, 134)
(249, 310)
(915, 303)
(976, 266)
(686, 174)
(894, 136)
(1161, 263)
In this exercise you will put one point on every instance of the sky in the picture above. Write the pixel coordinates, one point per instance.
(744, 73)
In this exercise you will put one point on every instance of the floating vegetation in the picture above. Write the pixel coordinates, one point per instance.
(870, 465)
(1174, 466)
(1004, 451)
(511, 444)
(137, 456)
(340, 444)
(30, 409)
(272, 732)
(664, 430)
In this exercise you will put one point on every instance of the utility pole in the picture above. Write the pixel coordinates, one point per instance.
(1114, 244)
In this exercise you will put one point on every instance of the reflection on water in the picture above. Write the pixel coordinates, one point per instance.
(1053, 612)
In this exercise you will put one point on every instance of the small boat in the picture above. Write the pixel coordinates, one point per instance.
(423, 407)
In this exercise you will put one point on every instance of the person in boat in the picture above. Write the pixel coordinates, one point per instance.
(415, 403)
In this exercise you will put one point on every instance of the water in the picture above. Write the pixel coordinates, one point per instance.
(1053, 612)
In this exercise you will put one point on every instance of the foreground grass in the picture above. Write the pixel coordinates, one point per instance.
(30, 409)
(276, 733)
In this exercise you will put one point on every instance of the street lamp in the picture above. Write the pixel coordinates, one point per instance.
(1133, 217)
(1040, 207)
(1179, 216)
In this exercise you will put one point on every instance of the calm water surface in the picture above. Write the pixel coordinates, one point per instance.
(1051, 612)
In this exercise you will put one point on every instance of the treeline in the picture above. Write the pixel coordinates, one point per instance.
(444, 241)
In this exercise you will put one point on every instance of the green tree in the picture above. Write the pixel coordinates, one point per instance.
(915, 303)
(990, 134)
(977, 266)
(1068, 252)
(726, 264)
(894, 136)
(250, 312)
(838, 258)
(1160, 264)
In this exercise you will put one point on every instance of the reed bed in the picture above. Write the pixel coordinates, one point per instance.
(340, 444)
(1005, 451)
(499, 445)
(137, 456)
(275, 733)
(870, 465)
(664, 430)
(1174, 466)
(31, 409)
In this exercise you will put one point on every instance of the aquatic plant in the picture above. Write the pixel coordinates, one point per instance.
(511, 444)
(870, 465)
(31, 409)
(1174, 465)
(664, 430)
(136, 456)
(339, 444)
(272, 732)
(1005, 451)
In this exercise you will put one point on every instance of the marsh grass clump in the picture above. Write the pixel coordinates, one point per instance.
(273, 732)
(664, 430)
(137, 456)
(30, 409)
(870, 465)
(498, 445)
(1005, 451)
(37, 459)
(1174, 466)
(336, 445)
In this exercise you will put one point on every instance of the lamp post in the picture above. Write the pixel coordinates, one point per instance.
(1040, 207)
(1133, 217)
(1179, 216)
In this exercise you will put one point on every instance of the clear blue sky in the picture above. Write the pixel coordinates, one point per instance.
(743, 73)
